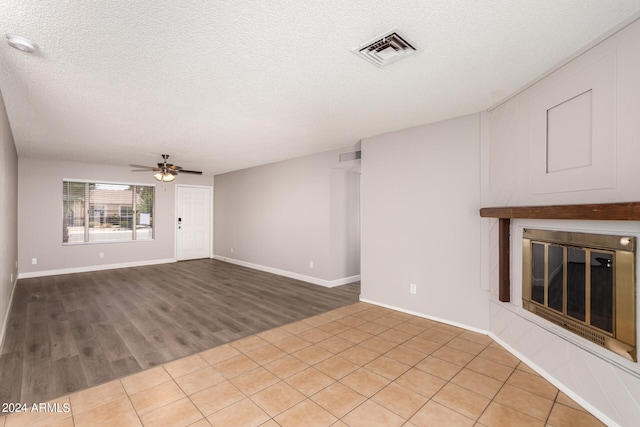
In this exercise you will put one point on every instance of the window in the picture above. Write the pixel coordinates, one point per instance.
(102, 212)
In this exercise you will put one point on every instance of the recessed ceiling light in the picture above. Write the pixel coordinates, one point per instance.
(21, 43)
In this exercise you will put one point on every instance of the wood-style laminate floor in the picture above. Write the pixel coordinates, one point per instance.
(70, 332)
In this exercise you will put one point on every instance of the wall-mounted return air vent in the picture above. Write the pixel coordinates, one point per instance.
(354, 155)
(385, 49)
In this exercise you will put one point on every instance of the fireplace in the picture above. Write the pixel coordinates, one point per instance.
(584, 283)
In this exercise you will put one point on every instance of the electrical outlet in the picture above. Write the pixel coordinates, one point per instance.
(101, 254)
(34, 261)
(231, 250)
(11, 280)
(412, 288)
(310, 264)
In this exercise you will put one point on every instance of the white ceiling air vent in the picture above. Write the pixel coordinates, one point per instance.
(385, 49)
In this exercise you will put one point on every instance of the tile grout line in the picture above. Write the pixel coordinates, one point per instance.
(338, 380)
(447, 381)
(397, 344)
(553, 405)
(309, 398)
(414, 366)
(184, 391)
(130, 401)
(494, 396)
(410, 367)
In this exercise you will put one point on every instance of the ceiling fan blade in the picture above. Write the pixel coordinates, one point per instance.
(163, 167)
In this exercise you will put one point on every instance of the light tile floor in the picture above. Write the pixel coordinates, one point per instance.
(359, 365)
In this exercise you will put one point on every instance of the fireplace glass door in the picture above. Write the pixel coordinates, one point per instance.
(584, 283)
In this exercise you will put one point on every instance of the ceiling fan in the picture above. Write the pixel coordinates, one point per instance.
(165, 172)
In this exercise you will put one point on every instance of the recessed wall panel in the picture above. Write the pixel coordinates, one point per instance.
(573, 131)
(569, 138)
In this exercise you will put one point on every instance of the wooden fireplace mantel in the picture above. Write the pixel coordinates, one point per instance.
(628, 211)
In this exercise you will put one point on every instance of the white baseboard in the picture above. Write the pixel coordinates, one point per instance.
(292, 275)
(426, 316)
(93, 268)
(3, 332)
(586, 405)
(343, 281)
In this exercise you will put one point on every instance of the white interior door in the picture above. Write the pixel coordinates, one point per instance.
(193, 222)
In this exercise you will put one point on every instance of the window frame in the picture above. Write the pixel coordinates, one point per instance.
(134, 190)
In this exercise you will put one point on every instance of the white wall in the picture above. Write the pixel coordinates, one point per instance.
(40, 218)
(8, 216)
(282, 216)
(344, 221)
(420, 223)
(608, 384)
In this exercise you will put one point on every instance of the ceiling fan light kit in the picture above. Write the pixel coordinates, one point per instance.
(164, 172)
(164, 176)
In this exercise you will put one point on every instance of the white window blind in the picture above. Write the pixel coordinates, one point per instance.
(102, 212)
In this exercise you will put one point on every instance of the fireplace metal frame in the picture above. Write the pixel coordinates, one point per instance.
(622, 340)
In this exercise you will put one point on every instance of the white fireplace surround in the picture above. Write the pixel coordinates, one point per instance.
(603, 382)
(598, 227)
(516, 173)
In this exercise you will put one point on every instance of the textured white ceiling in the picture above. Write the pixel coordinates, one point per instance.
(224, 85)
